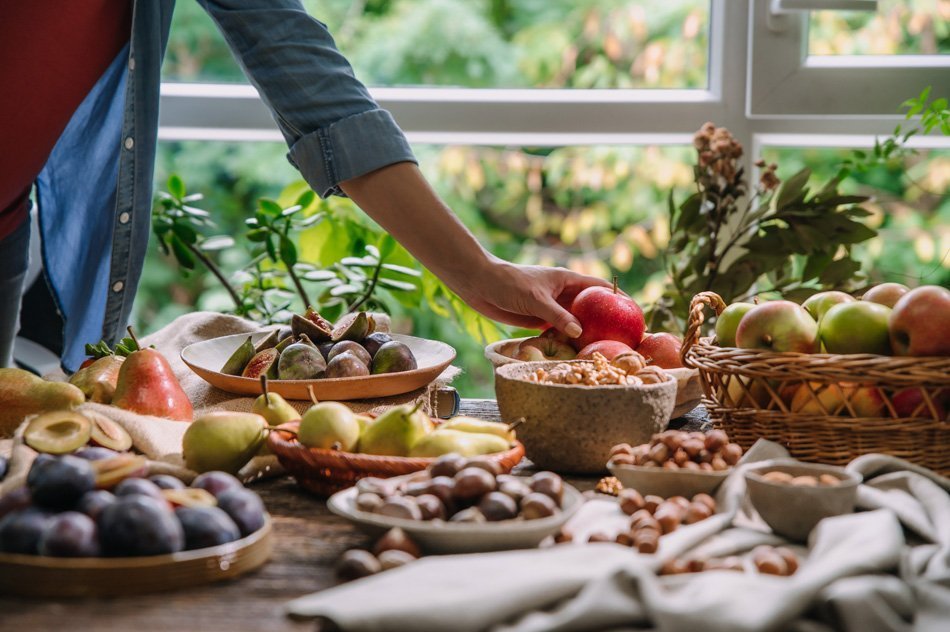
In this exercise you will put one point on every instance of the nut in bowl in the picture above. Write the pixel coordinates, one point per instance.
(570, 427)
(792, 497)
(674, 462)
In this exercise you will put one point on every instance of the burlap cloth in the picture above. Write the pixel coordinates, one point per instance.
(160, 439)
(886, 567)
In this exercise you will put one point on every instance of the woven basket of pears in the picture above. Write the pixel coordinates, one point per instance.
(823, 407)
(325, 472)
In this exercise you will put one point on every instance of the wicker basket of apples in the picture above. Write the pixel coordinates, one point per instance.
(833, 378)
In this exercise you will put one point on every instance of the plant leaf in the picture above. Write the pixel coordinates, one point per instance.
(319, 275)
(176, 186)
(182, 254)
(288, 252)
(397, 285)
(270, 207)
(217, 242)
(402, 270)
(792, 189)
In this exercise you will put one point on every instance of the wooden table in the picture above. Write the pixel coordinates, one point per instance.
(309, 540)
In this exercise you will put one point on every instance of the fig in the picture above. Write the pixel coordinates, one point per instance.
(57, 432)
(300, 361)
(351, 327)
(110, 472)
(393, 357)
(239, 359)
(267, 342)
(348, 346)
(107, 433)
(325, 348)
(317, 332)
(304, 339)
(263, 363)
(346, 365)
(189, 497)
(286, 342)
(374, 341)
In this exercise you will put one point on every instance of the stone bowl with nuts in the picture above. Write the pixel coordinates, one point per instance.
(792, 497)
(460, 505)
(675, 462)
(575, 411)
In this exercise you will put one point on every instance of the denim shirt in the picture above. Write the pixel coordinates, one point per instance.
(95, 192)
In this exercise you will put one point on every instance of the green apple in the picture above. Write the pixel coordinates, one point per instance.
(778, 326)
(728, 322)
(886, 293)
(818, 304)
(858, 327)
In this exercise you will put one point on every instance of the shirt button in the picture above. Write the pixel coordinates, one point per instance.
(117, 286)
(131, 63)
(129, 143)
(124, 218)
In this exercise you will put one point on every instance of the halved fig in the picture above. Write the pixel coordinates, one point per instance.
(263, 363)
(268, 342)
(108, 433)
(314, 317)
(57, 432)
(111, 472)
(318, 332)
(353, 327)
(239, 359)
(286, 342)
(189, 497)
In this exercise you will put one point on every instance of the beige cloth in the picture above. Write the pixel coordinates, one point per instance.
(886, 568)
(160, 439)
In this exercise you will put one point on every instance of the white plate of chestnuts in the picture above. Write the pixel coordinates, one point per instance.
(462, 505)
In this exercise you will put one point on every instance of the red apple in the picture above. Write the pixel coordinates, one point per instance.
(830, 399)
(663, 350)
(920, 322)
(778, 326)
(610, 349)
(855, 327)
(817, 304)
(607, 314)
(886, 293)
(537, 349)
(728, 321)
(910, 402)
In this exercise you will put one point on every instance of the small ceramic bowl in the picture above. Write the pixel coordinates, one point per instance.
(666, 483)
(689, 388)
(793, 511)
(571, 428)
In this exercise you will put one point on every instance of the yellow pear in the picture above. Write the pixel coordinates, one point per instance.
(272, 407)
(23, 394)
(443, 441)
(396, 431)
(222, 440)
(471, 424)
(329, 425)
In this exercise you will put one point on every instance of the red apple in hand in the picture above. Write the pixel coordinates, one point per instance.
(540, 348)
(662, 350)
(778, 326)
(610, 349)
(607, 314)
(920, 322)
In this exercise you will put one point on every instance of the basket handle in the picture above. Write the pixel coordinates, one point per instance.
(696, 318)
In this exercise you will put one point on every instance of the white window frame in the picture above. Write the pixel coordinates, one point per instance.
(761, 85)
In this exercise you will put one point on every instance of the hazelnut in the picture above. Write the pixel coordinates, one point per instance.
(681, 501)
(659, 453)
(621, 448)
(631, 501)
(693, 448)
(719, 464)
(599, 536)
(669, 515)
(673, 567)
(652, 502)
(768, 562)
(789, 557)
(829, 479)
(624, 538)
(805, 481)
(732, 453)
(696, 512)
(696, 565)
(623, 459)
(776, 476)
(692, 466)
(671, 465)
(646, 541)
(705, 499)
(715, 440)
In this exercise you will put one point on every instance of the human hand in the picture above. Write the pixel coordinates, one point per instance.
(527, 296)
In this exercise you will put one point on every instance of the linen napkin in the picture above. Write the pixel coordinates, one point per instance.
(160, 439)
(885, 568)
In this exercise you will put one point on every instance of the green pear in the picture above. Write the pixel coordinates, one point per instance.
(329, 425)
(272, 407)
(444, 441)
(365, 422)
(396, 431)
(471, 424)
(23, 394)
(222, 440)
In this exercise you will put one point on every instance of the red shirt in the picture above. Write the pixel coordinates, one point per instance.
(51, 55)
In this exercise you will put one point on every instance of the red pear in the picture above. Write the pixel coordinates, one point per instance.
(148, 386)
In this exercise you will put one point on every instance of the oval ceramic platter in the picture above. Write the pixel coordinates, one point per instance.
(208, 356)
(37, 576)
(438, 536)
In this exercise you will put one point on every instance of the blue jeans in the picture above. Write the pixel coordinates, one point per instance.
(14, 261)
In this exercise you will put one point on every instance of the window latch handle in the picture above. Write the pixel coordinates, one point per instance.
(781, 10)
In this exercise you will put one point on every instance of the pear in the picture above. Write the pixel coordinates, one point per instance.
(239, 358)
(329, 425)
(23, 394)
(97, 381)
(396, 431)
(272, 407)
(148, 386)
(365, 422)
(222, 440)
(471, 424)
(445, 441)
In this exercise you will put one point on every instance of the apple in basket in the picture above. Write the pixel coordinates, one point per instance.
(886, 293)
(920, 322)
(778, 326)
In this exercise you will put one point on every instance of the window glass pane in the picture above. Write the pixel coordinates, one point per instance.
(485, 43)
(899, 27)
(600, 210)
(910, 211)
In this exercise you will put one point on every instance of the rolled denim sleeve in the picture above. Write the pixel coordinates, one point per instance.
(334, 128)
